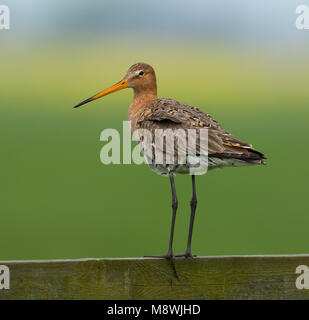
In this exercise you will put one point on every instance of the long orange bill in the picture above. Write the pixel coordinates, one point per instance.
(118, 86)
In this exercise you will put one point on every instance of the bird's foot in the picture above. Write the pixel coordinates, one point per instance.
(170, 258)
(168, 255)
(186, 255)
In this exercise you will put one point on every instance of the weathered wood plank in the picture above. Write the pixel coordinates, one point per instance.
(225, 277)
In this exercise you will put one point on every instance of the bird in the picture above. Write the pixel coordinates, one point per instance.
(148, 112)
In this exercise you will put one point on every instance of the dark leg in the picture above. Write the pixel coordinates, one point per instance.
(174, 207)
(193, 205)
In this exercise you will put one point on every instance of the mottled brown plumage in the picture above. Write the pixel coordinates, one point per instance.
(168, 113)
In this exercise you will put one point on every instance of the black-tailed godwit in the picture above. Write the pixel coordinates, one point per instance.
(147, 111)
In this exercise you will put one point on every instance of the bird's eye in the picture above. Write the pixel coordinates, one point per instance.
(141, 73)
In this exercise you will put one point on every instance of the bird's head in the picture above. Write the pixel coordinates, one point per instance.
(140, 77)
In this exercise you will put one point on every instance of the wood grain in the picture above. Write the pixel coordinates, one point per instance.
(224, 277)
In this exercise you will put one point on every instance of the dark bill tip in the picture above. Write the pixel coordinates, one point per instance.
(83, 102)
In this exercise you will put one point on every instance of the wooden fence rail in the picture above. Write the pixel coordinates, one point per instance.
(224, 277)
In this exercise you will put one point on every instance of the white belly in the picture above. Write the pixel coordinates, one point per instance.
(204, 165)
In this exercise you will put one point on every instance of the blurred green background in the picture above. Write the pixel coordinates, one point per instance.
(243, 63)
